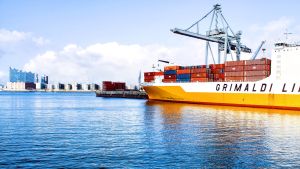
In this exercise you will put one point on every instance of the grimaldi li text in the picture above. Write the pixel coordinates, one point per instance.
(254, 87)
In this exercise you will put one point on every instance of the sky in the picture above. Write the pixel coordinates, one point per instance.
(96, 40)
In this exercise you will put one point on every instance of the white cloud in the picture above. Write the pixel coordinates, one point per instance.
(13, 36)
(109, 61)
(7, 36)
(17, 47)
(40, 41)
(273, 32)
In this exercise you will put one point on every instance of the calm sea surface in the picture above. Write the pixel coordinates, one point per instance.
(78, 130)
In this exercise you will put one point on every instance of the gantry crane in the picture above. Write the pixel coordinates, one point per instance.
(222, 34)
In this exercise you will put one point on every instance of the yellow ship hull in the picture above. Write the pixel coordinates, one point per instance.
(263, 100)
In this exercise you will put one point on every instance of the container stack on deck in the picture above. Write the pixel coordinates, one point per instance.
(183, 74)
(170, 74)
(234, 71)
(247, 70)
(150, 76)
(255, 70)
(217, 72)
(199, 73)
(230, 71)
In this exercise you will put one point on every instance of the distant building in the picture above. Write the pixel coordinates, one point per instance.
(20, 86)
(16, 75)
(44, 82)
(95, 87)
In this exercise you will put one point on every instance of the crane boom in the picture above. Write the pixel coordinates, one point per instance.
(258, 49)
(195, 35)
(222, 34)
(208, 38)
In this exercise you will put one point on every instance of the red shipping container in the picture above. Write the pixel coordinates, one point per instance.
(263, 61)
(149, 77)
(149, 80)
(254, 78)
(106, 82)
(219, 76)
(108, 86)
(199, 79)
(119, 85)
(153, 73)
(199, 70)
(235, 63)
(184, 71)
(171, 67)
(169, 80)
(169, 76)
(257, 73)
(197, 75)
(257, 67)
(234, 74)
(234, 68)
(159, 73)
(217, 71)
(234, 79)
(217, 66)
(149, 73)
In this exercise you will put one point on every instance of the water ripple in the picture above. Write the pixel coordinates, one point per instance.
(78, 130)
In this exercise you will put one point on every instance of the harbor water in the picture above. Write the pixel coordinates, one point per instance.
(79, 130)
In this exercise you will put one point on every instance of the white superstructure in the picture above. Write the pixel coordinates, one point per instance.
(286, 62)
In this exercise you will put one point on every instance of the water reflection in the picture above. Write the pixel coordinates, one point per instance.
(219, 136)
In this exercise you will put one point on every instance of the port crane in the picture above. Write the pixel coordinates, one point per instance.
(222, 34)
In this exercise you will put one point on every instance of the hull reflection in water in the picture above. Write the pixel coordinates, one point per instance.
(217, 136)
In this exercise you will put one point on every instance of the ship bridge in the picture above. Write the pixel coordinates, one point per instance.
(285, 62)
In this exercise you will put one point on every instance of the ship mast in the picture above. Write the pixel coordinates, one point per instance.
(222, 34)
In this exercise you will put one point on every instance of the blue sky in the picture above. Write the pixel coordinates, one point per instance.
(127, 22)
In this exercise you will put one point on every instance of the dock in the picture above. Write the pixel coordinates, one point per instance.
(134, 94)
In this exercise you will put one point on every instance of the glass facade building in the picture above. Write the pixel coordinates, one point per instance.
(44, 82)
(16, 75)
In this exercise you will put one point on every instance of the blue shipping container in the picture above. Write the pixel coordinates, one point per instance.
(183, 80)
(184, 76)
(170, 72)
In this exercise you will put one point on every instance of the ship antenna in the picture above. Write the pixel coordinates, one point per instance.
(264, 52)
(287, 35)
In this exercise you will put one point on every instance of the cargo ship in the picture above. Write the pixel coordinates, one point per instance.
(265, 83)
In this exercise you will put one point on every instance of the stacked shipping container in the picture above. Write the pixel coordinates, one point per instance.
(231, 71)
(113, 86)
(247, 70)
(199, 73)
(217, 72)
(258, 69)
(183, 74)
(170, 74)
(234, 71)
(150, 76)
